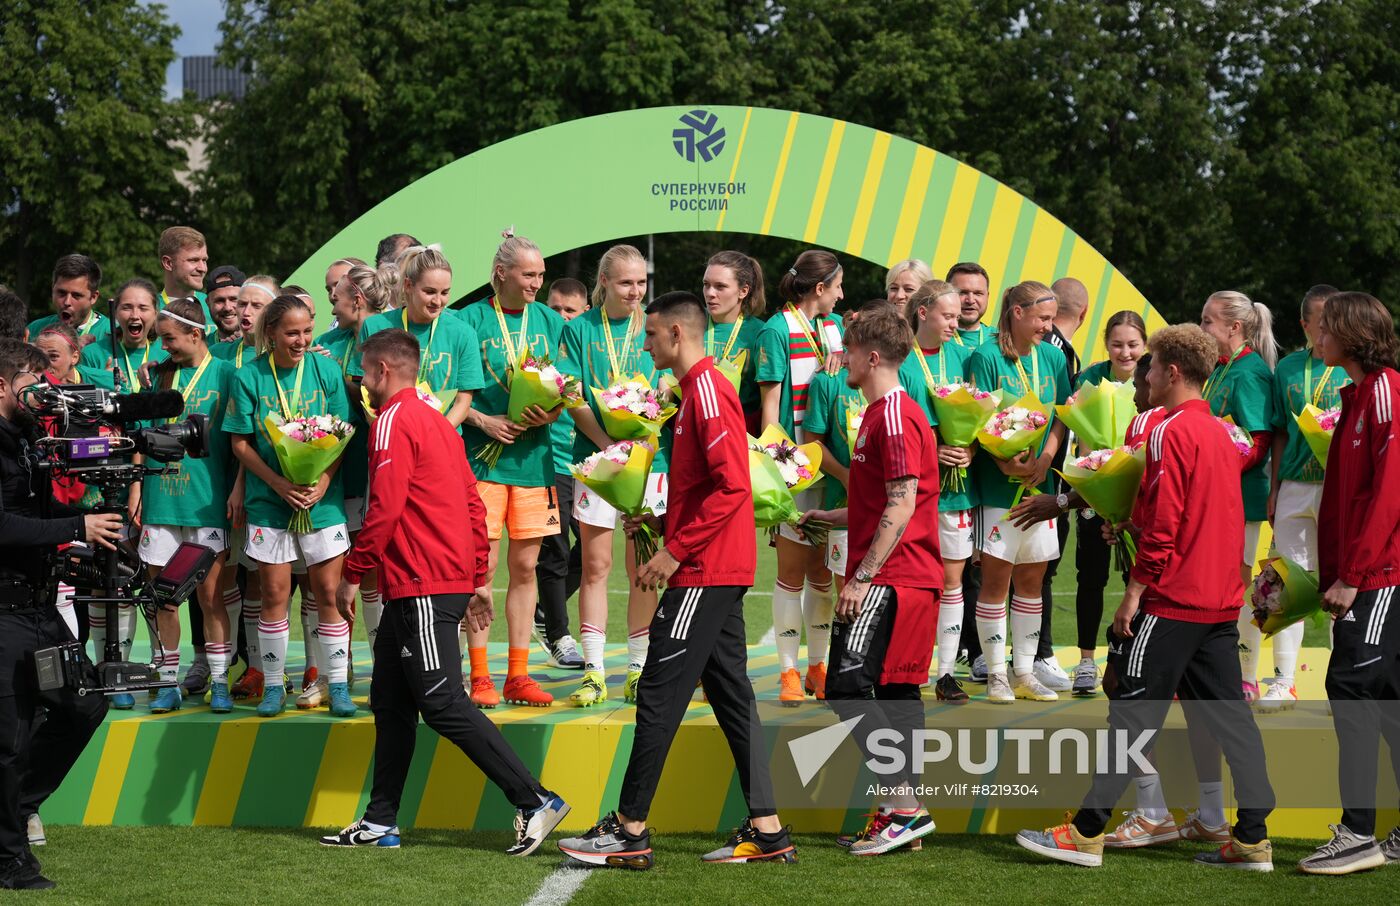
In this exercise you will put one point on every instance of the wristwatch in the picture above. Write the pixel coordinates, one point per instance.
(1062, 501)
(863, 576)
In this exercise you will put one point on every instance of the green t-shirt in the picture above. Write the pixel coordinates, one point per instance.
(450, 355)
(255, 397)
(828, 401)
(584, 354)
(786, 356)
(1244, 389)
(97, 357)
(97, 326)
(717, 344)
(561, 442)
(342, 344)
(1302, 379)
(989, 370)
(162, 300)
(195, 493)
(1095, 374)
(982, 333)
(946, 366)
(529, 462)
(236, 354)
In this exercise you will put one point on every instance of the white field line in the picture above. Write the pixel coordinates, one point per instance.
(559, 886)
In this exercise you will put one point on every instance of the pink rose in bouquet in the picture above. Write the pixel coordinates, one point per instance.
(1238, 436)
(1015, 418)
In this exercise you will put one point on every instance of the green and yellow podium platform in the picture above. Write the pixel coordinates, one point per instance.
(307, 769)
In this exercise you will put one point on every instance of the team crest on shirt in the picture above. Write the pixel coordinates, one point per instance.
(257, 537)
(836, 555)
(583, 501)
(996, 534)
(145, 537)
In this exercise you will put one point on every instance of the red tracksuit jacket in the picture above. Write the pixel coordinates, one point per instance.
(1192, 540)
(1359, 526)
(425, 529)
(709, 508)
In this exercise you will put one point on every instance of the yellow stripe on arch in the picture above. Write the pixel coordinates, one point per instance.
(111, 771)
(1087, 266)
(869, 188)
(950, 236)
(996, 247)
(914, 194)
(833, 151)
(734, 170)
(1047, 234)
(341, 777)
(779, 172)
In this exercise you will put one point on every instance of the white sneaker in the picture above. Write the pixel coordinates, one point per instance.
(1051, 674)
(316, 695)
(1029, 686)
(999, 690)
(1139, 831)
(1280, 696)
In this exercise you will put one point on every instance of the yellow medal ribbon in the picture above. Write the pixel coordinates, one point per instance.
(728, 346)
(238, 354)
(198, 373)
(928, 375)
(427, 347)
(287, 411)
(1215, 380)
(1035, 369)
(1307, 382)
(628, 340)
(131, 372)
(517, 348)
(818, 348)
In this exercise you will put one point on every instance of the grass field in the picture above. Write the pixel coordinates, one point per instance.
(216, 866)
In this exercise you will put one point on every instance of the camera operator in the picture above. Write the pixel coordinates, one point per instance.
(33, 763)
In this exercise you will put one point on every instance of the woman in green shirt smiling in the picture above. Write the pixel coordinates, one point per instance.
(733, 292)
(134, 317)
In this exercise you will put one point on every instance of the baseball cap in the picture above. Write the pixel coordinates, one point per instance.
(228, 275)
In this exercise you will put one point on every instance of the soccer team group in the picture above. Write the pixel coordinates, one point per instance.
(379, 538)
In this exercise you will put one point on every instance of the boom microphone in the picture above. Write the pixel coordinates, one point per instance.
(141, 407)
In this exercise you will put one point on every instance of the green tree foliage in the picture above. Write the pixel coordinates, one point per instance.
(89, 153)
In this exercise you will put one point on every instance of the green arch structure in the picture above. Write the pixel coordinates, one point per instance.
(809, 178)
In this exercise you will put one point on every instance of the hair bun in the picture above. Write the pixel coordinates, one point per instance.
(508, 232)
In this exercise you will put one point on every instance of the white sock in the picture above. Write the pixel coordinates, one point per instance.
(817, 611)
(335, 650)
(1150, 798)
(1250, 640)
(991, 629)
(218, 654)
(637, 644)
(252, 619)
(126, 628)
(591, 640)
(373, 613)
(1212, 807)
(309, 621)
(463, 639)
(272, 639)
(233, 604)
(97, 632)
(1287, 644)
(950, 618)
(1025, 632)
(65, 608)
(170, 664)
(787, 624)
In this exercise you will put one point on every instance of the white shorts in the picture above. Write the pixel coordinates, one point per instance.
(838, 548)
(1251, 542)
(158, 543)
(275, 546)
(955, 534)
(355, 513)
(590, 509)
(1038, 544)
(1295, 522)
(810, 499)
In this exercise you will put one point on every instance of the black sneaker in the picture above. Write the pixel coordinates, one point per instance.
(606, 843)
(748, 844)
(23, 874)
(948, 689)
(531, 828)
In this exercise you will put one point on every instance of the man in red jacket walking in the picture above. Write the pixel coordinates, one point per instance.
(1175, 632)
(432, 571)
(1359, 559)
(707, 564)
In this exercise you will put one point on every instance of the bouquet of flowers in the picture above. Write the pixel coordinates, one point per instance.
(1099, 414)
(1238, 436)
(1108, 480)
(1316, 427)
(306, 447)
(855, 414)
(424, 393)
(779, 469)
(962, 411)
(533, 381)
(618, 474)
(733, 369)
(1014, 430)
(1283, 593)
(632, 410)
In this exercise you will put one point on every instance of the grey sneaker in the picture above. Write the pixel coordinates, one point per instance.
(1051, 675)
(564, 655)
(606, 843)
(37, 837)
(1343, 854)
(1086, 678)
(747, 844)
(999, 690)
(196, 681)
(978, 674)
(531, 828)
(1391, 847)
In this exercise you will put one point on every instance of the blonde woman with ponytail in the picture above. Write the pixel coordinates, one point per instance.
(601, 347)
(1241, 387)
(518, 486)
